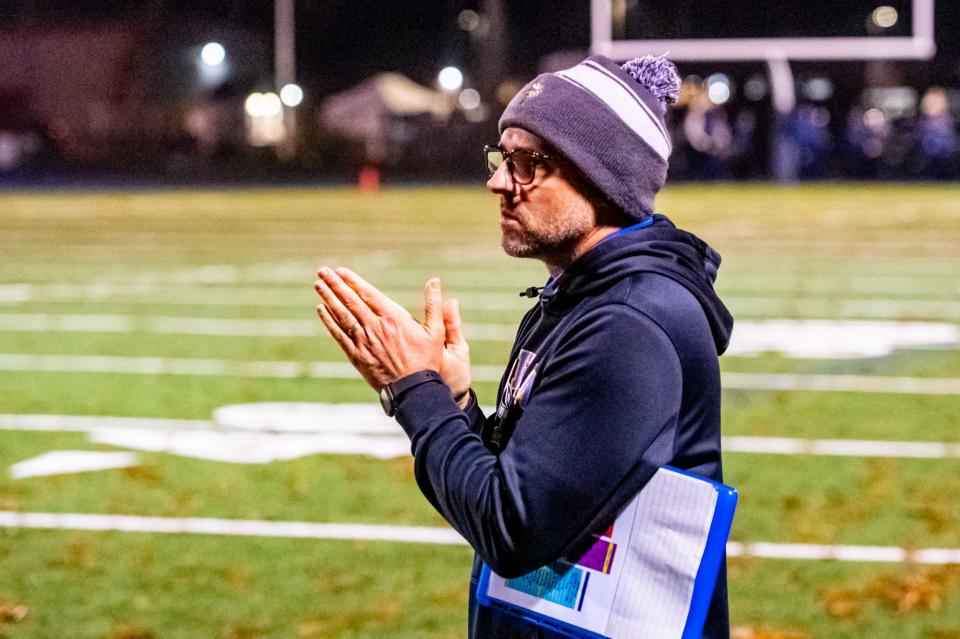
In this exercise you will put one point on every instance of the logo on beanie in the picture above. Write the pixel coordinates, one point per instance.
(535, 89)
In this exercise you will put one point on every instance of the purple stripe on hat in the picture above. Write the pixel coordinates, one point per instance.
(638, 95)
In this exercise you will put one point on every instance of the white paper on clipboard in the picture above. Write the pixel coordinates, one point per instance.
(638, 579)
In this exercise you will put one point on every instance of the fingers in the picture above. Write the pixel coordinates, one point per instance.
(343, 302)
(348, 327)
(370, 294)
(338, 334)
(433, 306)
(452, 323)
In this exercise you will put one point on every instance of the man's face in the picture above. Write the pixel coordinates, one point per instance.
(547, 218)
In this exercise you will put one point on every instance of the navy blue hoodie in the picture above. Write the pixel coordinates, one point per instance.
(613, 374)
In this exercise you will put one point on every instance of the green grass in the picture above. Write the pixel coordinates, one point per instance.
(845, 251)
(814, 500)
(95, 585)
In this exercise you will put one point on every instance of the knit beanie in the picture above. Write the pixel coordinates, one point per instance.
(609, 121)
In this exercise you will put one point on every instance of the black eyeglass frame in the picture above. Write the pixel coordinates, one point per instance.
(536, 156)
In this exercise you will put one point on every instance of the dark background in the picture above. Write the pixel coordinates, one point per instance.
(340, 43)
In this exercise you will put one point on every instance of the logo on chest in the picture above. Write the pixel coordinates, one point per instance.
(519, 384)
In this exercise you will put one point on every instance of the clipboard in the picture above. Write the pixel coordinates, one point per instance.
(650, 575)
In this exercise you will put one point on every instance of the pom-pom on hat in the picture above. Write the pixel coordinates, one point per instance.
(609, 121)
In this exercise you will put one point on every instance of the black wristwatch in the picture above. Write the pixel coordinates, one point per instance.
(391, 392)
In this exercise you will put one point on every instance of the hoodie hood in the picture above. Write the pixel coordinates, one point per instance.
(659, 248)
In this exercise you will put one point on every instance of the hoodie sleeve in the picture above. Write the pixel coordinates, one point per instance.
(474, 415)
(599, 422)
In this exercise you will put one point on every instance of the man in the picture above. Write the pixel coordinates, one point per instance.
(614, 371)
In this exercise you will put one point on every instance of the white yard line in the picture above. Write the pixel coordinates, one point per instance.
(425, 535)
(367, 419)
(235, 527)
(230, 296)
(50, 322)
(848, 305)
(342, 370)
(883, 554)
(200, 367)
(842, 383)
(830, 339)
(840, 447)
(844, 306)
(300, 273)
(87, 423)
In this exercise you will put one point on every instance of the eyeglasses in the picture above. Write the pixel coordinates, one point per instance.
(522, 163)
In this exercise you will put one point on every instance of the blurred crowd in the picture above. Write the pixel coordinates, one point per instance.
(413, 132)
(720, 142)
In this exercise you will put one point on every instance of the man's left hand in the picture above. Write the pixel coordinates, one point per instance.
(379, 337)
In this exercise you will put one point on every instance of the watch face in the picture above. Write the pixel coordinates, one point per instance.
(386, 401)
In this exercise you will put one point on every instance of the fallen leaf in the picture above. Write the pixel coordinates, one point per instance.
(11, 612)
(244, 631)
(916, 591)
(130, 631)
(749, 632)
(843, 604)
(311, 629)
(905, 594)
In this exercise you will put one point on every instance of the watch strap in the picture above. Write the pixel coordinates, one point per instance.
(404, 384)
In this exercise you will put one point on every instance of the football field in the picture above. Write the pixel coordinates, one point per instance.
(139, 498)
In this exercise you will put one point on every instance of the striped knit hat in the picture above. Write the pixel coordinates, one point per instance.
(609, 120)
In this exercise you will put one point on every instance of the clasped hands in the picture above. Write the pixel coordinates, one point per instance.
(383, 341)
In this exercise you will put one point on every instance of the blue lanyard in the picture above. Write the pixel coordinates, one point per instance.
(640, 225)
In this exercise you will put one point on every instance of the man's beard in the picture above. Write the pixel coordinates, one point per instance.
(553, 244)
(542, 246)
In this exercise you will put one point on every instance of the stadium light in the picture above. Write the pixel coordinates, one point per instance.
(263, 105)
(755, 88)
(213, 54)
(468, 20)
(270, 105)
(251, 105)
(450, 78)
(818, 89)
(718, 88)
(884, 17)
(264, 121)
(469, 99)
(291, 95)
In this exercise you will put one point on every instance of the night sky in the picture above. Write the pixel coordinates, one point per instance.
(340, 42)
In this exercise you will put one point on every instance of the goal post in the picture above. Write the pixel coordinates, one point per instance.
(919, 45)
(776, 52)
